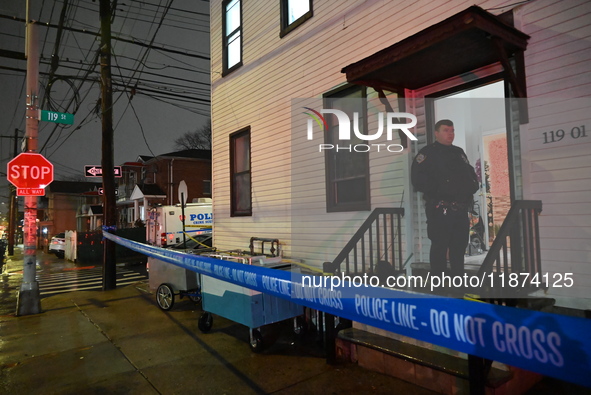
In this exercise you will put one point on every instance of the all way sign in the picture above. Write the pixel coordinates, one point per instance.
(97, 171)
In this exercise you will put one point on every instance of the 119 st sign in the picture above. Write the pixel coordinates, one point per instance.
(30, 173)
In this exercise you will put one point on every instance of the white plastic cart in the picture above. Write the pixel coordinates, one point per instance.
(169, 280)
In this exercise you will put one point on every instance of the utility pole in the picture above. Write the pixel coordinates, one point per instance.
(107, 160)
(28, 301)
(13, 203)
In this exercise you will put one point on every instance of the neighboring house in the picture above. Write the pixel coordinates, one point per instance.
(271, 181)
(152, 181)
(131, 175)
(63, 206)
(90, 216)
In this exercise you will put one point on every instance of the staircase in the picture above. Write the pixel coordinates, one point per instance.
(376, 248)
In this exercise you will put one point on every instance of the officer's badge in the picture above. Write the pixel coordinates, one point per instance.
(420, 158)
(465, 158)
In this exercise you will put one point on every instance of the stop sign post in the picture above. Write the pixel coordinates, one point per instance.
(30, 173)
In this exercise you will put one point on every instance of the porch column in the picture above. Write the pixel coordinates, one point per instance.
(136, 210)
(145, 207)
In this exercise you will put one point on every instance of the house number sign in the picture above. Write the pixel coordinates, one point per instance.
(555, 136)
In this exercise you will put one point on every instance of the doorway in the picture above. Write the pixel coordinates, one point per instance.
(479, 117)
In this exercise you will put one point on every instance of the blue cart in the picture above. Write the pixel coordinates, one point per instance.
(245, 306)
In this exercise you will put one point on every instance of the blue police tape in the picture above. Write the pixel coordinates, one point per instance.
(554, 345)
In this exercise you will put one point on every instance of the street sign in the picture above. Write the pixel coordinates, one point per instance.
(101, 191)
(30, 173)
(30, 191)
(97, 171)
(56, 117)
(183, 193)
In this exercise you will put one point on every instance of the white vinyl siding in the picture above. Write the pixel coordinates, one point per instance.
(559, 174)
(307, 63)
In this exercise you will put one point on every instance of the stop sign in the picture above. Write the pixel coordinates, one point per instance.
(30, 173)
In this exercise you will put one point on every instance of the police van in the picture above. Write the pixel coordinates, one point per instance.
(164, 224)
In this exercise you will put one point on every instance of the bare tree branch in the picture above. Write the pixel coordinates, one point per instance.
(199, 139)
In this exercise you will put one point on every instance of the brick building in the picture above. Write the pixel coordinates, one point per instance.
(61, 207)
(152, 181)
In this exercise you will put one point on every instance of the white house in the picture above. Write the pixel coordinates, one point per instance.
(273, 62)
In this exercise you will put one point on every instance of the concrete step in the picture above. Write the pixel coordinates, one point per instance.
(430, 368)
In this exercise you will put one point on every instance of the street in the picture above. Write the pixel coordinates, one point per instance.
(56, 275)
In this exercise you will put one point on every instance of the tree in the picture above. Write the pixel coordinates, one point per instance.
(198, 139)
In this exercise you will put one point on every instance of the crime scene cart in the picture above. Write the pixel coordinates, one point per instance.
(169, 280)
(243, 305)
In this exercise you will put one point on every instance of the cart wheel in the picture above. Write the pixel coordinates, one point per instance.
(205, 322)
(195, 296)
(256, 340)
(299, 326)
(165, 297)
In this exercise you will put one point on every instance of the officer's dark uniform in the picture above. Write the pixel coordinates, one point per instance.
(445, 176)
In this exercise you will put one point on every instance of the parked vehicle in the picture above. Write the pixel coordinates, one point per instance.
(57, 245)
(164, 225)
(198, 243)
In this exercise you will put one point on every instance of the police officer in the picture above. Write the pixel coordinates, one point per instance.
(442, 172)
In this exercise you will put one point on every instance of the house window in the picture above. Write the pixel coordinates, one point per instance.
(347, 171)
(293, 14)
(240, 188)
(207, 187)
(232, 31)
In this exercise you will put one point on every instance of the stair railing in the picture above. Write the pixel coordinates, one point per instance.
(378, 239)
(516, 249)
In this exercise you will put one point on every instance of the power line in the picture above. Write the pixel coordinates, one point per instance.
(173, 22)
(174, 91)
(118, 38)
(172, 8)
(180, 95)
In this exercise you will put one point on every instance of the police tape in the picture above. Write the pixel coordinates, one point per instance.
(550, 344)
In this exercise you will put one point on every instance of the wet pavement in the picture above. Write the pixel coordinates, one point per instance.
(120, 342)
(10, 281)
(57, 275)
(12, 275)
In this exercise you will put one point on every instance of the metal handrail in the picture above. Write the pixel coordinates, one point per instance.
(516, 248)
(377, 239)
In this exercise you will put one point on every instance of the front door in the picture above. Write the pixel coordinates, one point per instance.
(481, 115)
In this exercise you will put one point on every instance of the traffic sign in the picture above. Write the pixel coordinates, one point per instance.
(97, 171)
(30, 191)
(30, 173)
(101, 191)
(56, 117)
(183, 193)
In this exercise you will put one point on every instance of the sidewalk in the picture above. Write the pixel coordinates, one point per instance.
(119, 341)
